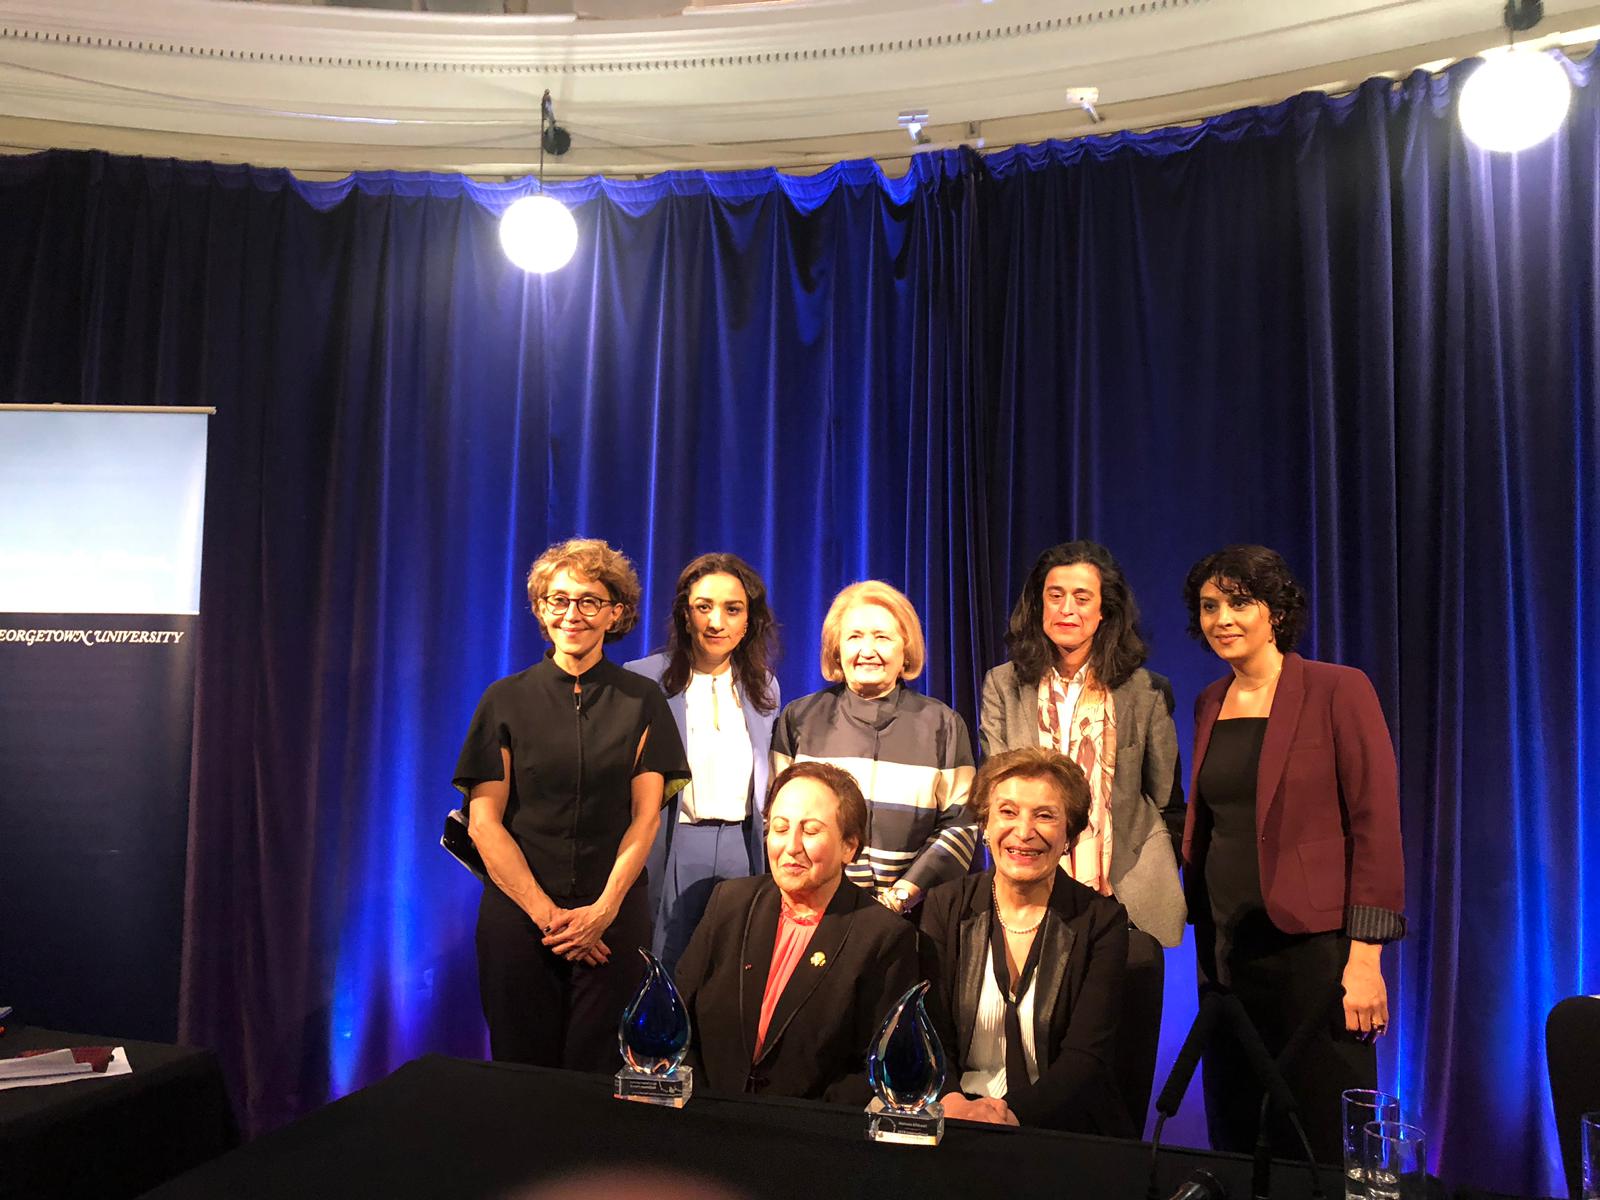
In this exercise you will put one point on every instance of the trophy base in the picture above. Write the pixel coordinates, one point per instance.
(671, 1090)
(923, 1128)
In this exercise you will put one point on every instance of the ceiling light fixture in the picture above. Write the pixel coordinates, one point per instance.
(1517, 98)
(914, 121)
(1086, 98)
(538, 232)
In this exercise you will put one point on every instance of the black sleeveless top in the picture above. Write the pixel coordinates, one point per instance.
(1227, 787)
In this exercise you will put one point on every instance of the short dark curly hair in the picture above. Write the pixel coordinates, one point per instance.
(1255, 573)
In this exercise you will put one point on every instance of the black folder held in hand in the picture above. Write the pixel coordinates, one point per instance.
(458, 842)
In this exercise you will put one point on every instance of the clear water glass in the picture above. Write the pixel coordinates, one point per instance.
(1396, 1161)
(1589, 1142)
(1361, 1107)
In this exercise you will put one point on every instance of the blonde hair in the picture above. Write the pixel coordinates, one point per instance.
(593, 559)
(873, 591)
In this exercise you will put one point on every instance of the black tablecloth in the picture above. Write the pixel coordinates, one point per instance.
(104, 1139)
(442, 1127)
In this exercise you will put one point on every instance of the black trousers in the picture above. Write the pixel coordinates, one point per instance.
(1285, 981)
(544, 1010)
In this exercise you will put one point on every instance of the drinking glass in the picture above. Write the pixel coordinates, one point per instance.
(1361, 1107)
(1589, 1139)
(1396, 1161)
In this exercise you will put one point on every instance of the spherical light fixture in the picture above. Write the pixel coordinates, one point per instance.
(538, 234)
(1515, 100)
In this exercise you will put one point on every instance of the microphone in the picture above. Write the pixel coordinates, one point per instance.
(1194, 1045)
(1182, 1074)
(1202, 1185)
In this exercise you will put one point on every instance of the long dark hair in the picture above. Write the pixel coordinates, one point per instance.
(1119, 649)
(752, 657)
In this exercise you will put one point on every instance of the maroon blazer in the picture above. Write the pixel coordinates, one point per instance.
(1327, 802)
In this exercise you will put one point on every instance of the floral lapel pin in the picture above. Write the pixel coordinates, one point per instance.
(819, 959)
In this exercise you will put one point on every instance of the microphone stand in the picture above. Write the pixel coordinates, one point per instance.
(1220, 1007)
(1276, 1093)
(1204, 1027)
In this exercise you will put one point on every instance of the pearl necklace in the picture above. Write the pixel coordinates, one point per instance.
(1015, 932)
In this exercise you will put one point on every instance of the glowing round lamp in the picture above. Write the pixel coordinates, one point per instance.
(538, 234)
(1515, 100)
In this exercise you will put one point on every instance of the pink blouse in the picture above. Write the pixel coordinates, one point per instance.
(794, 935)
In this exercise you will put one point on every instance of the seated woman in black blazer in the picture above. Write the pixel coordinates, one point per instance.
(1027, 962)
(788, 975)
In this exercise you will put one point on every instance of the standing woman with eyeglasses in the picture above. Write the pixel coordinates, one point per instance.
(565, 768)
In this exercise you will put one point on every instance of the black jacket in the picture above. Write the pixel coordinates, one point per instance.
(1077, 997)
(860, 960)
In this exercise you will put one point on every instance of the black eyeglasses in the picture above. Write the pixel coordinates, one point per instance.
(589, 606)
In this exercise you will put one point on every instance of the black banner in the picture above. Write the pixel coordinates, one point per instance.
(95, 719)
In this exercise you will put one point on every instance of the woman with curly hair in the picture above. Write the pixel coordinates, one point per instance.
(1292, 849)
(716, 672)
(565, 768)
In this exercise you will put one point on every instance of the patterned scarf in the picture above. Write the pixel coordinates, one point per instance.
(1089, 738)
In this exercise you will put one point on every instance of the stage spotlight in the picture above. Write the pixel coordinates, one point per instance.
(538, 232)
(1086, 98)
(914, 121)
(1517, 98)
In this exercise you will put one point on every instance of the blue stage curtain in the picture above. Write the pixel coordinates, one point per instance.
(1328, 325)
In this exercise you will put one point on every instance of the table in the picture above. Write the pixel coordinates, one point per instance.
(443, 1127)
(107, 1139)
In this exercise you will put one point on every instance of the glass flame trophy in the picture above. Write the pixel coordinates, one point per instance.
(654, 1036)
(905, 1066)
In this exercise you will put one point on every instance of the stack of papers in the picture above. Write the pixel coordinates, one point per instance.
(35, 1068)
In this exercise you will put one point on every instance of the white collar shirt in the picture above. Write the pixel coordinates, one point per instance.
(721, 758)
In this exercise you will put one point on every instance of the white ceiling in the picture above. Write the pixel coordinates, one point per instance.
(793, 83)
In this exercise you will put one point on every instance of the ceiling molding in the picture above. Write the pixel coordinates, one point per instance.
(330, 90)
(365, 39)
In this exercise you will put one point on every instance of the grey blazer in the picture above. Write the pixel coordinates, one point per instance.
(1144, 872)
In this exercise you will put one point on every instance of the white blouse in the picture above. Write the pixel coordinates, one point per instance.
(721, 759)
(987, 1059)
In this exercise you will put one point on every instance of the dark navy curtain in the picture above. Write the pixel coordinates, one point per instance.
(1329, 326)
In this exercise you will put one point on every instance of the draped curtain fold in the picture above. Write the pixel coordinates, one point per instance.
(1328, 325)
